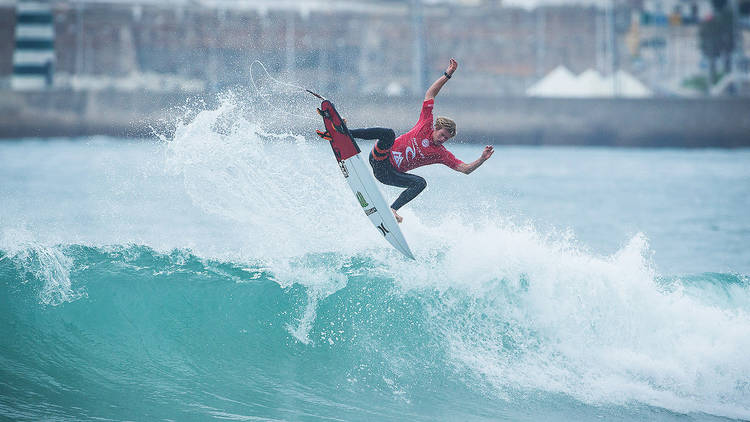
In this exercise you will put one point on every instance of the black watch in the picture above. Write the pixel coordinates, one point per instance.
(447, 75)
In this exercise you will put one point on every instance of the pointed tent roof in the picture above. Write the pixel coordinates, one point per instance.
(623, 84)
(630, 86)
(592, 84)
(561, 82)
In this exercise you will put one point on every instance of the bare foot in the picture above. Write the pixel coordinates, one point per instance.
(398, 217)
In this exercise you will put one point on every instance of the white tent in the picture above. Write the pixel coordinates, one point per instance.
(589, 84)
(561, 82)
(628, 86)
(592, 84)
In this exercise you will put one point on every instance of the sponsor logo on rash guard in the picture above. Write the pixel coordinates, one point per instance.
(398, 158)
(410, 152)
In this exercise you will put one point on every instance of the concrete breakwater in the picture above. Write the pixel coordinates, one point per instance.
(660, 122)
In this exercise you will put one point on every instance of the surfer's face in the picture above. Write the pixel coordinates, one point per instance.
(440, 136)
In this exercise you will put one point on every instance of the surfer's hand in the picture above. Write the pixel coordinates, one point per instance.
(487, 153)
(452, 67)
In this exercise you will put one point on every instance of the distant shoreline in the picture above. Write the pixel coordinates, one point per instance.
(655, 122)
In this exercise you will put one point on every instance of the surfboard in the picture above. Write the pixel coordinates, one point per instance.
(360, 179)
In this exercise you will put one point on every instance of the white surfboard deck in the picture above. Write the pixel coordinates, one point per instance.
(362, 183)
(357, 173)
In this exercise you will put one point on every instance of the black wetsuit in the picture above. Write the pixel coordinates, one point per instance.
(382, 168)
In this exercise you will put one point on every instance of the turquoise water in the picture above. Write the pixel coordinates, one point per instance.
(228, 273)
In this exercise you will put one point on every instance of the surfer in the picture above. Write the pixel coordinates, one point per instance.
(391, 158)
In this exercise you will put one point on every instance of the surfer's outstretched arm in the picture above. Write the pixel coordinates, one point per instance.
(468, 168)
(433, 90)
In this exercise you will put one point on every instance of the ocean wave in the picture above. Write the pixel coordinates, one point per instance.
(228, 273)
(602, 331)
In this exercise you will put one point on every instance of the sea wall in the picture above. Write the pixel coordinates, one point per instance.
(662, 122)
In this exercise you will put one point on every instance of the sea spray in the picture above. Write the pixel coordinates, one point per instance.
(263, 182)
(47, 268)
(320, 276)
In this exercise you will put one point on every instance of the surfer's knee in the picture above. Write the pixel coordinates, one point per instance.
(420, 184)
(389, 135)
(386, 138)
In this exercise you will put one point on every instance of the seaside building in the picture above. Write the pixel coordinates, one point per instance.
(363, 47)
(34, 46)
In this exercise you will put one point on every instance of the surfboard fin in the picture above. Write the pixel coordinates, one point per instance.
(325, 135)
(324, 113)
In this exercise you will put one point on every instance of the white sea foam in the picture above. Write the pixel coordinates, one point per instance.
(47, 264)
(522, 310)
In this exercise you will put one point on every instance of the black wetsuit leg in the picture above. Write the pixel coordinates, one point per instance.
(382, 168)
(385, 136)
(386, 174)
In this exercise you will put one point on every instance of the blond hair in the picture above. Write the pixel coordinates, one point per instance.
(444, 122)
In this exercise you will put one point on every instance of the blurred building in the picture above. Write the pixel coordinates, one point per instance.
(664, 45)
(360, 46)
(34, 47)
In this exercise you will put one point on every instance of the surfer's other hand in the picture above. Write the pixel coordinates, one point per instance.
(452, 66)
(487, 153)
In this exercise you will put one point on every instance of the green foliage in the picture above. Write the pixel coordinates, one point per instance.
(697, 83)
(718, 76)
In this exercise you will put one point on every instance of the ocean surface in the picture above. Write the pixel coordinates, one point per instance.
(227, 272)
